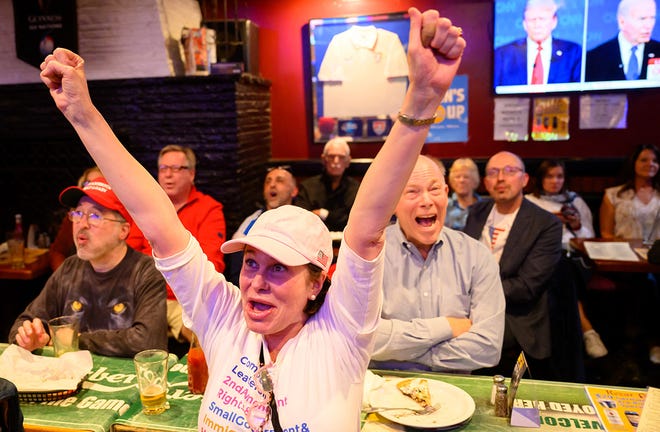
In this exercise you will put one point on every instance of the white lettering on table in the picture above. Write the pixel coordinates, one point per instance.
(102, 375)
(92, 402)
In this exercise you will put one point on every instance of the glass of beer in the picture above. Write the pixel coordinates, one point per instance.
(64, 334)
(151, 370)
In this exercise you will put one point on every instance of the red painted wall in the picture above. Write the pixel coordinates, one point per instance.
(281, 24)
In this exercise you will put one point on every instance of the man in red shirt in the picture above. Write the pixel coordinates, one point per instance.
(200, 214)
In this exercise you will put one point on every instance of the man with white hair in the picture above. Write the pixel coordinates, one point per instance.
(538, 58)
(627, 55)
(443, 303)
(330, 195)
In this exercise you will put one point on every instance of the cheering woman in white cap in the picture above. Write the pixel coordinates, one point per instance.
(284, 352)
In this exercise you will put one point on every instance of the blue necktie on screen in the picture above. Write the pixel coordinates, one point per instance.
(633, 67)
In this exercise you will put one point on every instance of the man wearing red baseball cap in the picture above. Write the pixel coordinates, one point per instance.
(115, 292)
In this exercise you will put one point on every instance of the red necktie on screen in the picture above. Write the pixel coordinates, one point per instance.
(537, 72)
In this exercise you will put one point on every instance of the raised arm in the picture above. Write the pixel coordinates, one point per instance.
(435, 48)
(64, 74)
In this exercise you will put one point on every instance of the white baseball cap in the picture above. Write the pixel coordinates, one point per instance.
(289, 234)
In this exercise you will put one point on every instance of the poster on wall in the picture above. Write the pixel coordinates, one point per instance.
(603, 111)
(452, 124)
(359, 74)
(511, 119)
(551, 117)
(43, 25)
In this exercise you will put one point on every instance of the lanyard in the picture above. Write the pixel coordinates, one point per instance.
(274, 417)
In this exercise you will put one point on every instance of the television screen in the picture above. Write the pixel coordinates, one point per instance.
(575, 45)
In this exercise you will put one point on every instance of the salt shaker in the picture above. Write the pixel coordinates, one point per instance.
(497, 380)
(501, 402)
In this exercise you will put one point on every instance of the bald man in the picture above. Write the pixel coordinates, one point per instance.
(443, 306)
(526, 241)
(280, 188)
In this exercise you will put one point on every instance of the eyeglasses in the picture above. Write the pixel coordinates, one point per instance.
(93, 219)
(260, 411)
(507, 171)
(279, 167)
(173, 168)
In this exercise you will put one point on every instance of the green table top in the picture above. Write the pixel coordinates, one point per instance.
(562, 406)
(109, 391)
(109, 399)
(109, 395)
(182, 414)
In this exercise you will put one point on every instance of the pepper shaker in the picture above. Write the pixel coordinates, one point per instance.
(497, 380)
(501, 402)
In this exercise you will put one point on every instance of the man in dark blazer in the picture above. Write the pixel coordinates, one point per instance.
(610, 60)
(526, 240)
(514, 62)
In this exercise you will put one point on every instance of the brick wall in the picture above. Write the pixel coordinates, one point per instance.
(225, 119)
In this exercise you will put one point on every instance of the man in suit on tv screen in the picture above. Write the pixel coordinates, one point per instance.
(626, 56)
(539, 58)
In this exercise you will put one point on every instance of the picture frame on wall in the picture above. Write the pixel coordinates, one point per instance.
(586, 49)
(358, 75)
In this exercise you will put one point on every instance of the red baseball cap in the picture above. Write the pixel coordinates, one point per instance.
(97, 190)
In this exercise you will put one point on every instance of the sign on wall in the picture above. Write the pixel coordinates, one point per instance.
(551, 118)
(43, 25)
(511, 119)
(453, 114)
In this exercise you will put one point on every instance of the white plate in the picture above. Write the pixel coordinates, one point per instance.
(456, 406)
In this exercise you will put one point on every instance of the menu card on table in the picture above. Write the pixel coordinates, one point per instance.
(523, 416)
(650, 418)
(618, 409)
(613, 251)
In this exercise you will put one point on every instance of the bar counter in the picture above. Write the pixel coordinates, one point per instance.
(563, 406)
(109, 401)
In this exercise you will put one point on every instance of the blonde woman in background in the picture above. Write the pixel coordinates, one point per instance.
(463, 181)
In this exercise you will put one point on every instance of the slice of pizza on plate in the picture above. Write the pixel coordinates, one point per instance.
(417, 389)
